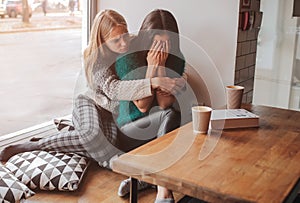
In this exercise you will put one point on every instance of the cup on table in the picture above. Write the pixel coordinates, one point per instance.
(201, 117)
(234, 96)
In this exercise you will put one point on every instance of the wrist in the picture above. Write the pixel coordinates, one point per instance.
(152, 67)
(151, 71)
(161, 72)
(154, 83)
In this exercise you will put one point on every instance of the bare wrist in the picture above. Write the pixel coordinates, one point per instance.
(161, 72)
(154, 83)
(151, 71)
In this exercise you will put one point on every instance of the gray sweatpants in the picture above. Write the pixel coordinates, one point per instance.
(143, 130)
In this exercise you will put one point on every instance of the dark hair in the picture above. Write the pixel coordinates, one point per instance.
(159, 22)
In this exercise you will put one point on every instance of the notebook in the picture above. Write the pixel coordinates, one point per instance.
(233, 118)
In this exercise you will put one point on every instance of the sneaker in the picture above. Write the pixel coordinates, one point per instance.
(124, 187)
(168, 200)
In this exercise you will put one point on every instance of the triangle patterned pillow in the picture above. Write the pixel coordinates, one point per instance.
(11, 189)
(49, 170)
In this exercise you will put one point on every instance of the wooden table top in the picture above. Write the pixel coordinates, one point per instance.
(240, 165)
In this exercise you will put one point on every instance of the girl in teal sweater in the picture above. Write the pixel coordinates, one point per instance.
(153, 53)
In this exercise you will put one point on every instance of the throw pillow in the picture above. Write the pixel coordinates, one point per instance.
(49, 170)
(11, 189)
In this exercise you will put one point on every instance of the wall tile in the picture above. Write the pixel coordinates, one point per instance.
(239, 49)
(249, 97)
(251, 34)
(240, 62)
(250, 60)
(244, 100)
(236, 77)
(253, 46)
(251, 72)
(244, 74)
(248, 84)
(242, 36)
(245, 47)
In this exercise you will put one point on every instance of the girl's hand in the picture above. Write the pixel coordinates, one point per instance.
(169, 85)
(153, 57)
(164, 53)
(162, 93)
(181, 82)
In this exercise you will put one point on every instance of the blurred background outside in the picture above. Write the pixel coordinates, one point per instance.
(40, 61)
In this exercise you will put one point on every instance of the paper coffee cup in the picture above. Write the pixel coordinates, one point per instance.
(201, 117)
(234, 96)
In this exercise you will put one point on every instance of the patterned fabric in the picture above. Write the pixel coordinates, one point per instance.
(11, 189)
(48, 170)
(94, 136)
(63, 124)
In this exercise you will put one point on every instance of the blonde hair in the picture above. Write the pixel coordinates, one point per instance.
(103, 24)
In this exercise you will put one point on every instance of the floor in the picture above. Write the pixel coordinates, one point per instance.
(99, 185)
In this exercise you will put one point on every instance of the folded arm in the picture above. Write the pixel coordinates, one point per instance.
(163, 98)
(145, 104)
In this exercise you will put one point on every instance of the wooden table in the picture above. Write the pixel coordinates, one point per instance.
(242, 165)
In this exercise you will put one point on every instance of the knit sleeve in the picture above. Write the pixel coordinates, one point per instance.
(115, 89)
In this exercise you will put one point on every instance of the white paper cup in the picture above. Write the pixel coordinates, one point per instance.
(234, 96)
(201, 117)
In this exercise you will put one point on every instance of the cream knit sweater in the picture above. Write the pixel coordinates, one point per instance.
(108, 90)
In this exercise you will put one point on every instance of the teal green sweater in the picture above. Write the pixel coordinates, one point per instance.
(134, 66)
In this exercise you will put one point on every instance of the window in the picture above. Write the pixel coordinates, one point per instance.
(40, 62)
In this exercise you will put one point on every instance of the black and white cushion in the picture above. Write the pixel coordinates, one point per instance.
(11, 189)
(49, 170)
